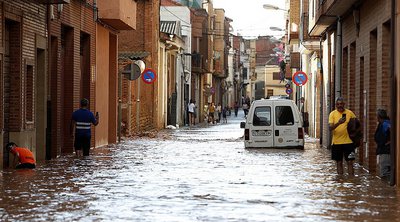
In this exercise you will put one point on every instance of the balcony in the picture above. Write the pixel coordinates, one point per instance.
(197, 63)
(309, 42)
(49, 2)
(295, 60)
(327, 14)
(119, 14)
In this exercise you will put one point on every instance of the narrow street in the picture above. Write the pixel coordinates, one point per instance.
(195, 174)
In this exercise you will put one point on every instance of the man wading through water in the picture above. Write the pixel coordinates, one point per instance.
(342, 145)
(81, 122)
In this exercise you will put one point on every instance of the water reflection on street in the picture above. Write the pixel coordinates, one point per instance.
(197, 174)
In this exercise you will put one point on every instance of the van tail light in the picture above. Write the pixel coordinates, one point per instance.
(301, 133)
(246, 134)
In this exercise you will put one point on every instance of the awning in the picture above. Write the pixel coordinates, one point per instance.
(126, 58)
(171, 27)
(133, 55)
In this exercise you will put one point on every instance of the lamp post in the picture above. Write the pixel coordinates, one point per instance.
(142, 67)
(272, 7)
(274, 28)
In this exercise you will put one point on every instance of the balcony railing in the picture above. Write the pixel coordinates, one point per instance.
(199, 64)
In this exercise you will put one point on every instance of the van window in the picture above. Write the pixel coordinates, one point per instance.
(284, 116)
(262, 116)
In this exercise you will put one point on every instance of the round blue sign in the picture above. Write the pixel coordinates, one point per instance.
(289, 91)
(300, 78)
(149, 76)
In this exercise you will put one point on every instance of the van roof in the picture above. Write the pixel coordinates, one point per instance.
(266, 101)
(279, 97)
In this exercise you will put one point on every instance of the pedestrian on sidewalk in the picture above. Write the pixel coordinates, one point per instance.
(211, 111)
(382, 139)
(219, 111)
(224, 114)
(23, 157)
(342, 145)
(81, 122)
(236, 108)
(191, 112)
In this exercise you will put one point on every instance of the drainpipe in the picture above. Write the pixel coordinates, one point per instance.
(338, 65)
(321, 92)
(48, 100)
(393, 75)
(119, 106)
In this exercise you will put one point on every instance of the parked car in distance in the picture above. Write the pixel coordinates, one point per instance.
(273, 123)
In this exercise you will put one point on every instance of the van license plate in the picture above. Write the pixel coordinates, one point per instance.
(261, 133)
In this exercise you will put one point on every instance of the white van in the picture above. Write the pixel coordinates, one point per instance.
(273, 123)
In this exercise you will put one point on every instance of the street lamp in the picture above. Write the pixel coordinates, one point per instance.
(273, 28)
(272, 7)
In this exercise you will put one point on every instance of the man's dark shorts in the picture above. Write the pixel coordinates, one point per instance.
(26, 166)
(342, 150)
(82, 143)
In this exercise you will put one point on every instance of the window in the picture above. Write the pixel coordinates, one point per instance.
(244, 73)
(276, 76)
(284, 116)
(262, 116)
(29, 93)
(270, 92)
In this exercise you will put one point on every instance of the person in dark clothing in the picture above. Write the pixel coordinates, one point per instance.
(382, 139)
(81, 121)
(236, 108)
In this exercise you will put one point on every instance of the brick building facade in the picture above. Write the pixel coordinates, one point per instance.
(355, 43)
(22, 67)
(145, 38)
(72, 47)
(366, 69)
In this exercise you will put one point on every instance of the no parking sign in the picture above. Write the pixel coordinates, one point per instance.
(300, 78)
(149, 76)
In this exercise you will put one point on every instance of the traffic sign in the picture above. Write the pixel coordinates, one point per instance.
(287, 85)
(132, 71)
(299, 78)
(149, 76)
(289, 91)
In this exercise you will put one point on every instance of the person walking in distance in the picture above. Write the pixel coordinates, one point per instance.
(382, 139)
(236, 106)
(191, 110)
(342, 145)
(80, 124)
(23, 155)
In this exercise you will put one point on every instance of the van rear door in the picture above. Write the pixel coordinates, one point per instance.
(261, 132)
(286, 124)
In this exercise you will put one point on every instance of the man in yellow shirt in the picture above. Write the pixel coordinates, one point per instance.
(342, 145)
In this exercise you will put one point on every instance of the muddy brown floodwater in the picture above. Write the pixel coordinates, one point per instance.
(197, 174)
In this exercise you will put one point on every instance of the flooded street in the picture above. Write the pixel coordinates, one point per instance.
(197, 174)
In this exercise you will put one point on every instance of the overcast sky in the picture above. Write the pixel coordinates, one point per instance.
(250, 19)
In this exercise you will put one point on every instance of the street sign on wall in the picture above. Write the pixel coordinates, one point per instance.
(299, 78)
(149, 76)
